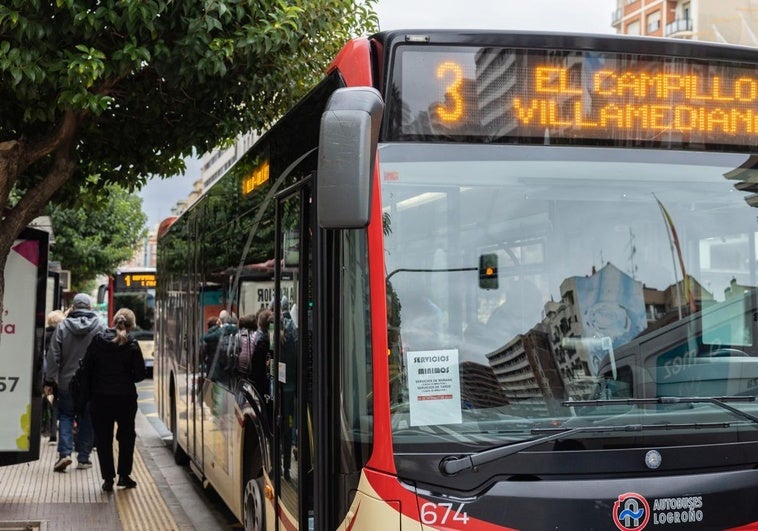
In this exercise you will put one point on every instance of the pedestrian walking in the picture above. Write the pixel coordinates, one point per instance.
(115, 363)
(49, 406)
(69, 344)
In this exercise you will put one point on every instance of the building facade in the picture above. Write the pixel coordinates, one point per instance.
(215, 163)
(725, 21)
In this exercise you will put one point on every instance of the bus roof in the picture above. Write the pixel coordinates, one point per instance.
(571, 41)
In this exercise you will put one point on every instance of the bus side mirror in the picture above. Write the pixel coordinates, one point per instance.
(347, 151)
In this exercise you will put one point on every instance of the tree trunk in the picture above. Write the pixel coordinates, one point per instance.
(3, 260)
(16, 156)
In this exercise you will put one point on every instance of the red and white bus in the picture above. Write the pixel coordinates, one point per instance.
(133, 288)
(522, 270)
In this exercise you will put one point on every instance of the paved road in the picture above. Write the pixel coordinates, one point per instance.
(168, 497)
(204, 507)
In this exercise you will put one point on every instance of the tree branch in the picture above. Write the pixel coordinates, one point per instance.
(64, 132)
(9, 159)
(31, 204)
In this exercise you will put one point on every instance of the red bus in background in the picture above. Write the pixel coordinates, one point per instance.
(133, 288)
(521, 291)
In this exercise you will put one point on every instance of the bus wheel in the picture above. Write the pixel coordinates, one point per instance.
(253, 512)
(180, 456)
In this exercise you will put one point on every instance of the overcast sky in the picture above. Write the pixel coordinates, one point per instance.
(586, 16)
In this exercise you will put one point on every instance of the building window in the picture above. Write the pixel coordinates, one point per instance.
(633, 28)
(654, 22)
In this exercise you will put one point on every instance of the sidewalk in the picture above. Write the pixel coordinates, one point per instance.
(33, 497)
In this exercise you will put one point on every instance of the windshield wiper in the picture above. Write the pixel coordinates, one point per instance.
(453, 464)
(720, 401)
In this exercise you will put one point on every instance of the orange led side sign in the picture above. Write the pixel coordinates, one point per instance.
(255, 178)
(655, 101)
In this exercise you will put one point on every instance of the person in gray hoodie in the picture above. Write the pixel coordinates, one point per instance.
(68, 346)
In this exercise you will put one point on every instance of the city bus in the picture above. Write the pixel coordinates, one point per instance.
(133, 288)
(523, 287)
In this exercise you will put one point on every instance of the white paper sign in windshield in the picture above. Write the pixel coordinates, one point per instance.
(435, 387)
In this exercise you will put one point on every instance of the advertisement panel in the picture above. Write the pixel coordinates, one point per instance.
(21, 338)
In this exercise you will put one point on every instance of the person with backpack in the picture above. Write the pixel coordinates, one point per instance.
(261, 353)
(220, 347)
(114, 363)
(67, 347)
(288, 359)
(248, 324)
(49, 406)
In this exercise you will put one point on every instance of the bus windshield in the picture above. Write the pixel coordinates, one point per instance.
(143, 306)
(134, 288)
(538, 287)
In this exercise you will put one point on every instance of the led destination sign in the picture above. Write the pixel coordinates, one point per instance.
(652, 102)
(499, 93)
(258, 176)
(135, 281)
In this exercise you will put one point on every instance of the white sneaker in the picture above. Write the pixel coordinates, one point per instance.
(83, 465)
(62, 463)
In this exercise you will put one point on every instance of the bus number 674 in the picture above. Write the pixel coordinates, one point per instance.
(431, 515)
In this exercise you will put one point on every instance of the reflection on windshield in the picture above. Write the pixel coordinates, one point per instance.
(618, 274)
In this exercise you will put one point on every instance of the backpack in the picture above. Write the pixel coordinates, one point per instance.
(289, 333)
(80, 385)
(288, 353)
(228, 348)
(245, 359)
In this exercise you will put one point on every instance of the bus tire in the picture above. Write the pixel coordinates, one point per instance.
(253, 500)
(253, 509)
(180, 456)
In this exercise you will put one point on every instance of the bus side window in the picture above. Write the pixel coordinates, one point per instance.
(227, 350)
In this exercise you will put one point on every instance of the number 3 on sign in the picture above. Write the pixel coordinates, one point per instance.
(453, 110)
(442, 513)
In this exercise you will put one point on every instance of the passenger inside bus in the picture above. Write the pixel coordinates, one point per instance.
(422, 323)
(288, 379)
(261, 354)
(224, 338)
(209, 345)
(248, 324)
(517, 314)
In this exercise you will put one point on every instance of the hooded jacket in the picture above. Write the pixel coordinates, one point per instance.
(69, 344)
(114, 368)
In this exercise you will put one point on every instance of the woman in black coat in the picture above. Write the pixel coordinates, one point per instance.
(116, 364)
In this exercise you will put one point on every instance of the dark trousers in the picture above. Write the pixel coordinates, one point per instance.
(106, 411)
(49, 418)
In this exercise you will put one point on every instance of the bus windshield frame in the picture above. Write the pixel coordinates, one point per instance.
(591, 317)
(541, 95)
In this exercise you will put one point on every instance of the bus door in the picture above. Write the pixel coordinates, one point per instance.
(193, 330)
(292, 361)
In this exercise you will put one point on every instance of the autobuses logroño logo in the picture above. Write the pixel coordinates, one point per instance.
(631, 511)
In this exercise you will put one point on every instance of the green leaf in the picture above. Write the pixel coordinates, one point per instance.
(152, 80)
